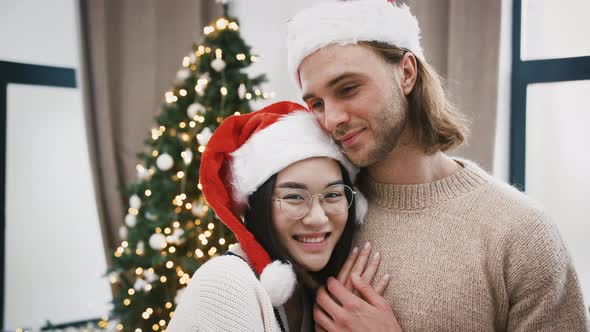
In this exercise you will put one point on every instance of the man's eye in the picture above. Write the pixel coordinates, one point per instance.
(348, 89)
(316, 106)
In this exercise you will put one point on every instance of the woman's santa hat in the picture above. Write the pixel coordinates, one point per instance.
(244, 152)
(348, 22)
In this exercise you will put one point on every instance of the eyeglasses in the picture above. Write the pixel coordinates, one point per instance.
(296, 203)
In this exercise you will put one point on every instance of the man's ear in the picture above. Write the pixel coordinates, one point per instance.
(409, 72)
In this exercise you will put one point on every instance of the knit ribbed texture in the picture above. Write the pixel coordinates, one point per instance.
(470, 253)
(224, 295)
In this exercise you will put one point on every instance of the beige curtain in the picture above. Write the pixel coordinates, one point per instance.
(132, 51)
(461, 39)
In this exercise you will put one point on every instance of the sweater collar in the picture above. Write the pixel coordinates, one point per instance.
(423, 196)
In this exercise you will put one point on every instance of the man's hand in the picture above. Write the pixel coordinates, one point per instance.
(340, 308)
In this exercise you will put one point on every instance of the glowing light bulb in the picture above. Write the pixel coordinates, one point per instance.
(233, 26)
(221, 23)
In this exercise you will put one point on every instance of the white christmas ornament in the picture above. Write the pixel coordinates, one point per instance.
(113, 277)
(218, 65)
(123, 232)
(143, 174)
(197, 209)
(164, 162)
(242, 91)
(204, 136)
(130, 220)
(140, 246)
(158, 241)
(195, 109)
(150, 276)
(176, 236)
(151, 217)
(193, 57)
(135, 202)
(183, 74)
(139, 284)
(187, 156)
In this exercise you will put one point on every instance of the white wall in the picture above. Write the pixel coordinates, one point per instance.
(501, 167)
(263, 26)
(54, 253)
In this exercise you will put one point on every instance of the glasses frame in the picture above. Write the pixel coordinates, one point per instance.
(321, 199)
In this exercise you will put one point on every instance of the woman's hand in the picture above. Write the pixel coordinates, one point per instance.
(361, 263)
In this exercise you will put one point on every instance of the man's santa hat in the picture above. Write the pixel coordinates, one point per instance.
(244, 152)
(348, 22)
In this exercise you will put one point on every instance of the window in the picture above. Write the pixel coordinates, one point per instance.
(550, 113)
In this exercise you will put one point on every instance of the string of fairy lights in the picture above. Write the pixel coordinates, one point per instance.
(168, 238)
(165, 239)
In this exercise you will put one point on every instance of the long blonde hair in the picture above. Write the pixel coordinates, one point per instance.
(434, 120)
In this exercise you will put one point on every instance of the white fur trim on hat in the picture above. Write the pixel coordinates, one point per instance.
(294, 137)
(348, 22)
(279, 281)
(361, 206)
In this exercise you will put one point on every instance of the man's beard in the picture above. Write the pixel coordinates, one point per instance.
(387, 126)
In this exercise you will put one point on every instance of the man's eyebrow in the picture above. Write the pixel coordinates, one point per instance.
(340, 77)
(332, 82)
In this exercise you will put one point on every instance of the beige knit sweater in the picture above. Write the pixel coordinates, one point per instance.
(224, 295)
(470, 253)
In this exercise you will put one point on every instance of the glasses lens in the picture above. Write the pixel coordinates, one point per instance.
(337, 199)
(295, 203)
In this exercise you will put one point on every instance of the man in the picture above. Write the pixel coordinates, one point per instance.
(466, 252)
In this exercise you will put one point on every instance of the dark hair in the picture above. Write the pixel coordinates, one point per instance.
(436, 123)
(258, 220)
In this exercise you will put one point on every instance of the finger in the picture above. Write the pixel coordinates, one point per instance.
(367, 292)
(372, 266)
(328, 304)
(382, 284)
(347, 266)
(341, 294)
(361, 261)
(323, 322)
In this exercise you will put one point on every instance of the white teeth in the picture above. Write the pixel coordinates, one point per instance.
(311, 239)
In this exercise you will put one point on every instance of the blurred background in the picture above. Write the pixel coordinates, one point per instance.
(105, 107)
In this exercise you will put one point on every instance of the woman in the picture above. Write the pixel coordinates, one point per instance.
(261, 173)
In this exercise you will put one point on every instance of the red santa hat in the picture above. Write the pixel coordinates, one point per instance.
(348, 22)
(244, 152)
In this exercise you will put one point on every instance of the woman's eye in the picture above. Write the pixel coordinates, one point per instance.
(293, 197)
(333, 195)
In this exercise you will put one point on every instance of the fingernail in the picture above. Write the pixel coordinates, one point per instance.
(367, 245)
(376, 256)
(354, 250)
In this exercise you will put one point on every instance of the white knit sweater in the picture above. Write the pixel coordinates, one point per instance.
(225, 295)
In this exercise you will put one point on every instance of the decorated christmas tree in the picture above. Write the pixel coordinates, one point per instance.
(169, 229)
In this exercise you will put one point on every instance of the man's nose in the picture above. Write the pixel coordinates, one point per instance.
(334, 115)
